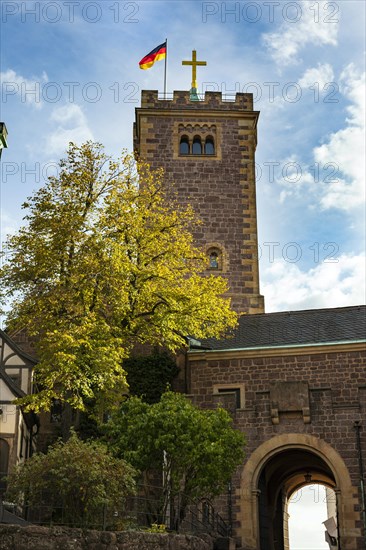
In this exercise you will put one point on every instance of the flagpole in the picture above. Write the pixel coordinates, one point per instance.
(166, 56)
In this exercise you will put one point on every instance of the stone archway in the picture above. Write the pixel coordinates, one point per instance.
(275, 466)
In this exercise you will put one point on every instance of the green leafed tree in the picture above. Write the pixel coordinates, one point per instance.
(195, 450)
(77, 483)
(105, 260)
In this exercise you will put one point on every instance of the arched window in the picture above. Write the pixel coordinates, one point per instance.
(209, 146)
(214, 258)
(184, 146)
(197, 146)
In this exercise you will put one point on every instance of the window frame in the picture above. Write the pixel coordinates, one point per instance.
(231, 388)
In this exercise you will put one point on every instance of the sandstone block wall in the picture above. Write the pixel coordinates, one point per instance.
(61, 538)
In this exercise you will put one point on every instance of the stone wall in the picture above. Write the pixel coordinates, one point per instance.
(61, 538)
(305, 402)
(335, 385)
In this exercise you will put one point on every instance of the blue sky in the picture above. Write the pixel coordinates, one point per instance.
(304, 62)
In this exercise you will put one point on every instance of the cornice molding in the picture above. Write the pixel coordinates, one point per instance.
(281, 351)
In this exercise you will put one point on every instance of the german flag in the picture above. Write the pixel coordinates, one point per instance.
(155, 55)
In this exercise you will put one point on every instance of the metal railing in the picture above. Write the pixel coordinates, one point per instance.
(179, 513)
(150, 509)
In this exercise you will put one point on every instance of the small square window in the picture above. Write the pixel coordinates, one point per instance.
(237, 389)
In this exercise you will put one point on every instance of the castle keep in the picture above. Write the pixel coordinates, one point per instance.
(207, 150)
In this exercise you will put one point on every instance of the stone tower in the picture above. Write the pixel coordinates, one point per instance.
(207, 150)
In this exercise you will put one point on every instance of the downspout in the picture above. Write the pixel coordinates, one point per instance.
(230, 507)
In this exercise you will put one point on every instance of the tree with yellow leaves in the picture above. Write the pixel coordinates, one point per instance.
(103, 261)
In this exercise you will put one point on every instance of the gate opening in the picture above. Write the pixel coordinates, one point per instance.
(282, 477)
(312, 518)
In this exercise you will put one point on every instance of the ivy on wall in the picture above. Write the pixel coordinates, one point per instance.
(151, 375)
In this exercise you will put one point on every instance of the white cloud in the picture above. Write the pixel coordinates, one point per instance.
(336, 283)
(336, 175)
(346, 149)
(316, 24)
(72, 126)
(293, 176)
(308, 507)
(322, 75)
(29, 90)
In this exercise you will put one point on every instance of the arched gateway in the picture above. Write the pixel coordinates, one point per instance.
(274, 471)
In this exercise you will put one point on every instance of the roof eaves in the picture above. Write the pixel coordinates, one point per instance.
(282, 346)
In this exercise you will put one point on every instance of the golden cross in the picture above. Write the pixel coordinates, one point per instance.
(194, 64)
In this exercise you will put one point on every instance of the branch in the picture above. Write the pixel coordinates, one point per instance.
(150, 313)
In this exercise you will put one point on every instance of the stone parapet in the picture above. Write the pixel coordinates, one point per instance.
(181, 99)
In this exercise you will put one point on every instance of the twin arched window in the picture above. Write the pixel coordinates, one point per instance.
(199, 147)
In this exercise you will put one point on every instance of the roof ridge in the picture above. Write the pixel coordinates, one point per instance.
(297, 311)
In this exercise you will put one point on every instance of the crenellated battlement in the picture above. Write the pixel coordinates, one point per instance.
(210, 100)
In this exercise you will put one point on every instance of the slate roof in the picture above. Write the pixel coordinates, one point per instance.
(313, 326)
